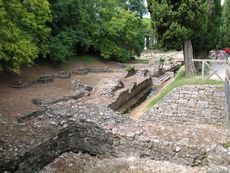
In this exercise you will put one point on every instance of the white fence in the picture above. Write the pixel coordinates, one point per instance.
(227, 91)
(212, 71)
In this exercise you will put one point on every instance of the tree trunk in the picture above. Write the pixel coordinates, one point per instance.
(188, 56)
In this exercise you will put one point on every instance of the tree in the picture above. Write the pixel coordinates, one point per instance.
(103, 26)
(121, 35)
(72, 26)
(137, 6)
(177, 22)
(209, 40)
(225, 26)
(23, 31)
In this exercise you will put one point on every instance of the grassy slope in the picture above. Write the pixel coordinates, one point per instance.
(181, 80)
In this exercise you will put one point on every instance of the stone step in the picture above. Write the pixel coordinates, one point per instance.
(164, 78)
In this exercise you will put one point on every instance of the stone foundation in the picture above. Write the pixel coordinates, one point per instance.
(191, 104)
(86, 126)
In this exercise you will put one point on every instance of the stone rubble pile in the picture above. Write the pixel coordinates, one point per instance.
(79, 88)
(107, 87)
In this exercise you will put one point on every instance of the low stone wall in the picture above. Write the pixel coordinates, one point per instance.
(191, 104)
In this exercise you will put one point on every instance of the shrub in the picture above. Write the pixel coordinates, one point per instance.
(130, 68)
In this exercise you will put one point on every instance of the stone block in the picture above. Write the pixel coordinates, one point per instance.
(202, 104)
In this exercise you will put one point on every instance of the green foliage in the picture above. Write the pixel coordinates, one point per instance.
(23, 31)
(180, 80)
(208, 41)
(85, 59)
(137, 6)
(130, 68)
(120, 36)
(226, 145)
(72, 25)
(149, 33)
(107, 27)
(225, 26)
(102, 26)
(178, 21)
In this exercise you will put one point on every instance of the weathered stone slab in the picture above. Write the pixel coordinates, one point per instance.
(64, 75)
(43, 79)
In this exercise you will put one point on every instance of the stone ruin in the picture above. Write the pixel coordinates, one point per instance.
(86, 132)
(161, 62)
(121, 94)
(163, 137)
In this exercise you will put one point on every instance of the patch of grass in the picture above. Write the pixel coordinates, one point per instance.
(226, 145)
(181, 80)
(86, 59)
(130, 68)
(142, 61)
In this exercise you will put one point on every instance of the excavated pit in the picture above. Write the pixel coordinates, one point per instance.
(184, 132)
(83, 125)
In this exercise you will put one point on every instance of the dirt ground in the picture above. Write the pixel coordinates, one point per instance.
(18, 102)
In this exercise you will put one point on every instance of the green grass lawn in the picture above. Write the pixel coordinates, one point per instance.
(85, 59)
(181, 80)
(88, 59)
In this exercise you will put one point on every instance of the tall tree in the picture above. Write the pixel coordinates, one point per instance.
(177, 22)
(23, 31)
(72, 25)
(208, 41)
(225, 26)
(149, 34)
(120, 36)
(100, 25)
(138, 6)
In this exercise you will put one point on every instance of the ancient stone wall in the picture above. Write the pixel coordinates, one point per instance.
(83, 126)
(97, 130)
(191, 104)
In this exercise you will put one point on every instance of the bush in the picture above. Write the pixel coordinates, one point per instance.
(130, 68)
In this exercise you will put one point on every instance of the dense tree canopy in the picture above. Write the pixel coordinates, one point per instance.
(177, 23)
(72, 26)
(137, 6)
(208, 40)
(99, 25)
(121, 33)
(225, 26)
(23, 31)
(59, 29)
